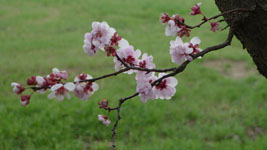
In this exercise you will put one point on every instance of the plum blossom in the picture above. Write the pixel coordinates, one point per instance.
(25, 100)
(59, 74)
(43, 83)
(164, 18)
(193, 44)
(171, 29)
(31, 81)
(144, 87)
(99, 37)
(84, 90)
(88, 47)
(180, 51)
(17, 88)
(123, 43)
(146, 62)
(166, 89)
(196, 9)
(104, 120)
(103, 103)
(59, 90)
(101, 34)
(127, 55)
(214, 26)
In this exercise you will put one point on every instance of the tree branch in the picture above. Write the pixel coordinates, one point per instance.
(219, 15)
(175, 72)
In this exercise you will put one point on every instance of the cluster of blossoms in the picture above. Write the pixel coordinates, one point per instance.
(176, 24)
(126, 58)
(53, 82)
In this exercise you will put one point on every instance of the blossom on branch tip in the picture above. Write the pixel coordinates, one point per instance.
(32, 81)
(196, 9)
(179, 21)
(166, 88)
(104, 120)
(103, 103)
(59, 90)
(88, 46)
(84, 90)
(164, 18)
(17, 88)
(214, 26)
(180, 51)
(171, 29)
(25, 99)
(101, 34)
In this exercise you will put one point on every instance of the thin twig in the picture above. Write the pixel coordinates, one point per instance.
(219, 15)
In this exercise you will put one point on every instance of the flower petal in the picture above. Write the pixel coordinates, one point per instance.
(56, 86)
(195, 40)
(69, 86)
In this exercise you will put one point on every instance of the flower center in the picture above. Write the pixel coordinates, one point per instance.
(130, 59)
(142, 64)
(162, 85)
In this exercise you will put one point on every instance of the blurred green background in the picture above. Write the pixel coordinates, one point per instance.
(220, 104)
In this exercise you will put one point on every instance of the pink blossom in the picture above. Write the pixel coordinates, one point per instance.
(104, 120)
(184, 32)
(60, 74)
(214, 26)
(196, 9)
(164, 18)
(43, 83)
(101, 34)
(180, 51)
(129, 56)
(171, 29)
(166, 89)
(88, 46)
(31, 81)
(178, 20)
(123, 43)
(111, 50)
(59, 90)
(146, 62)
(193, 44)
(17, 88)
(84, 90)
(115, 39)
(25, 99)
(144, 87)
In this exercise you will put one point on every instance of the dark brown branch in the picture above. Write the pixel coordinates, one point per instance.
(121, 101)
(200, 54)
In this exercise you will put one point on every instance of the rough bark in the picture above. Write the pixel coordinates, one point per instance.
(250, 27)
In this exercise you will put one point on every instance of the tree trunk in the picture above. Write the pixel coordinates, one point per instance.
(249, 27)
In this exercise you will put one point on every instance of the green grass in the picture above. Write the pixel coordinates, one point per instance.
(209, 111)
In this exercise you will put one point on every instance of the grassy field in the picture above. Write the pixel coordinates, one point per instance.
(212, 109)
